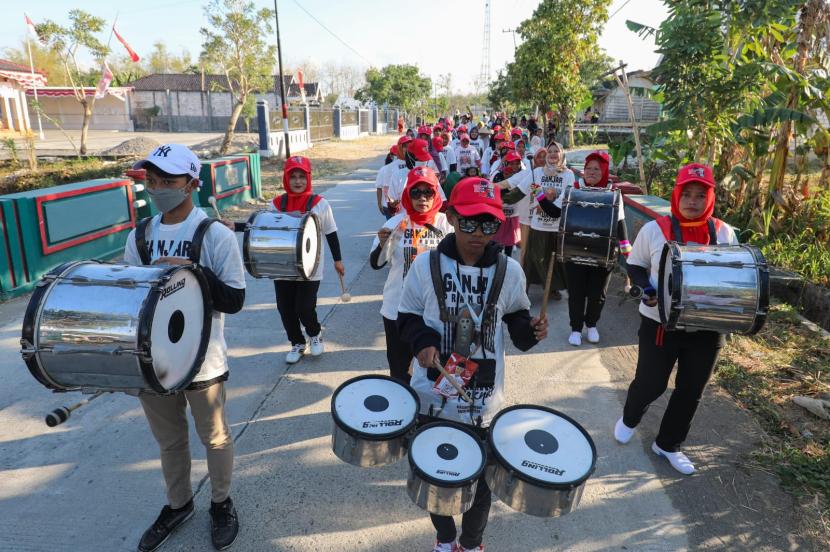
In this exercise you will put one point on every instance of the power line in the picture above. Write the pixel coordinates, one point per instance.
(361, 56)
(618, 10)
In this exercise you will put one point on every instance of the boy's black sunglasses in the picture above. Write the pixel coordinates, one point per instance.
(488, 224)
(415, 193)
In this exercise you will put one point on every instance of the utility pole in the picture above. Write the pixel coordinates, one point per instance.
(513, 31)
(282, 84)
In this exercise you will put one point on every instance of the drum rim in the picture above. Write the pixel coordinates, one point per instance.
(298, 248)
(246, 236)
(374, 436)
(33, 310)
(145, 324)
(421, 474)
(501, 462)
(763, 292)
(669, 320)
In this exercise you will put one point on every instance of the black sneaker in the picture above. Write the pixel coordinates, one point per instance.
(224, 524)
(168, 521)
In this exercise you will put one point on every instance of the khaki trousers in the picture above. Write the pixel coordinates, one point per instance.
(167, 416)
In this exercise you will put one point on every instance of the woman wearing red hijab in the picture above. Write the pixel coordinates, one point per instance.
(418, 228)
(696, 353)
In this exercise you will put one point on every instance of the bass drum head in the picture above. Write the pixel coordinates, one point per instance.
(375, 407)
(446, 454)
(543, 446)
(667, 281)
(178, 336)
(308, 246)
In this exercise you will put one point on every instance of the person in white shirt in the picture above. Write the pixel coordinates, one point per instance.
(182, 234)
(416, 155)
(466, 155)
(386, 205)
(418, 228)
(466, 276)
(476, 140)
(695, 352)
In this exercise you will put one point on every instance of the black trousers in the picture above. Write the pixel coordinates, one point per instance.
(474, 520)
(587, 286)
(398, 352)
(297, 303)
(696, 354)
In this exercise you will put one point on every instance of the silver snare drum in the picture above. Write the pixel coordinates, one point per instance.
(542, 460)
(445, 462)
(282, 246)
(113, 327)
(373, 416)
(721, 288)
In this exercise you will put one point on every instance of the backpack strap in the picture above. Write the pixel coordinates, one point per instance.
(195, 253)
(284, 202)
(438, 284)
(311, 200)
(495, 289)
(141, 240)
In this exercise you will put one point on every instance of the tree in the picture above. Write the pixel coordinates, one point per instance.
(399, 85)
(235, 41)
(161, 60)
(66, 43)
(45, 59)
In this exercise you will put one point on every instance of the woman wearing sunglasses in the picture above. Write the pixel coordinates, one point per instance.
(417, 228)
(466, 272)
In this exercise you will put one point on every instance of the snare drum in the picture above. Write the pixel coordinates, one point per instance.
(445, 463)
(373, 416)
(282, 246)
(542, 460)
(114, 327)
(588, 227)
(722, 288)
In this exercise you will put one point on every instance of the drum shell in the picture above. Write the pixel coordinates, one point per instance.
(91, 331)
(525, 497)
(600, 250)
(367, 450)
(730, 294)
(276, 253)
(438, 499)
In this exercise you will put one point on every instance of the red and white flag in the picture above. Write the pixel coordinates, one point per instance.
(133, 56)
(31, 26)
(302, 86)
(104, 83)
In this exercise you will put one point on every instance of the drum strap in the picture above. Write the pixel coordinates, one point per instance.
(308, 205)
(713, 232)
(438, 284)
(492, 296)
(195, 253)
(141, 240)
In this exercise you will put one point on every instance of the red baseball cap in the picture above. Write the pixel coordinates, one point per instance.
(464, 136)
(499, 136)
(512, 156)
(476, 196)
(507, 144)
(462, 128)
(515, 132)
(419, 149)
(496, 128)
(422, 174)
(695, 172)
(438, 128)
(438, 143)
(424, 129)
(393, 150)
(404, 140)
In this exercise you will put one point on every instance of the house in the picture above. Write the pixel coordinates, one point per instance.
(612, 107)
(14, 110)
(58, 103)
(202, 102)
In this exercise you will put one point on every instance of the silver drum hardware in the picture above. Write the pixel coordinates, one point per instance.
(446, 461)
(721, 288)
(373, 417)
(282, 246)
(588, 226)
(541, 460)
(115, 327)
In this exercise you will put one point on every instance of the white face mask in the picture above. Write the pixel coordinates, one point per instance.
(167, 199)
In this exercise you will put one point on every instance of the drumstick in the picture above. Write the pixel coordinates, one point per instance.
(344, 295)
(60, 415)
(543, 311)
(212, 201)
(452, 381)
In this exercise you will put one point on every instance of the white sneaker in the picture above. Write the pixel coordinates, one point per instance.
(295, 354)
(678, 460)
(444, 546)
(317, 348)
(575, 339)
(593, 335)
(622, 433)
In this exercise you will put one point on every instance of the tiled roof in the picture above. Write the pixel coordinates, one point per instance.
(187, 82)
(6, 65)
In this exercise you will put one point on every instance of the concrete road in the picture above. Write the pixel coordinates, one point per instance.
(95, 482)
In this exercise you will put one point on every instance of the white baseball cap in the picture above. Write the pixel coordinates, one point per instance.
(173, 159)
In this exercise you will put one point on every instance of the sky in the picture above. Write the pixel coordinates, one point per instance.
(439, 36)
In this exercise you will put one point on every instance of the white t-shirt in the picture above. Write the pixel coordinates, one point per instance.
(478, 144)
(397, 180)
(449, 156)
(325, 217)
(530, 183)
(467, 157)
(648, 247)
(419, 298)
(409, 241)
(220, 253)
(485, 161)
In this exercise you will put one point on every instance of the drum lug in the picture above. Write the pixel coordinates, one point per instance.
(28, 350)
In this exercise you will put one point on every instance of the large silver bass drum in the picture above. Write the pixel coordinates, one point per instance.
(282, 246)
(114, 327)
(721, 288)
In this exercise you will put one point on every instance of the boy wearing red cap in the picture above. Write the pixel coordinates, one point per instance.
(466, 277)
(416, 155)
(696, 353)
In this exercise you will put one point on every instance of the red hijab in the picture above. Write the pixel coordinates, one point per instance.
(696, 229)
(604, 161)
(296, 201)
(422, 175)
